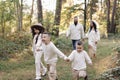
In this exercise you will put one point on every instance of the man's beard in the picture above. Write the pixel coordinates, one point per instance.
(76, 22)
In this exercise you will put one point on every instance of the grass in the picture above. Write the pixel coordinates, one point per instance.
(23, 69)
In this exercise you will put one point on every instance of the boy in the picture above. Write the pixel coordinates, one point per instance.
(79, 58)
(50, 56)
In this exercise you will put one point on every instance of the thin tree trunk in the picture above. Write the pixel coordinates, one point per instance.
(58, 15)
(31, 12)
(108, 15)
(40, 15)
(85, 16)
(2, 24)
(58, 12)
(91, 9)
(113, 27)
(19, 5)
(21, 14)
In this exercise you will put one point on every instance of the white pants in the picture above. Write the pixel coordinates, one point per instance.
(92, 48)
(40, 68)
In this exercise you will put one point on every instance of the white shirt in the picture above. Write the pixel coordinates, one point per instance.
(79, 59)
(37, 45)
(51, 53)
(93, 36)
(75, 32)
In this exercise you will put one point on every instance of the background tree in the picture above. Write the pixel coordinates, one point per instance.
(40, 14)
(19, 8)
(113, 24)
(58, 15)
(108, 15)
(31, 12)
(85, 15)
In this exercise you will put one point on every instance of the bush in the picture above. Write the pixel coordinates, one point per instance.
(112, 74)
(14, 43)
(63, 43)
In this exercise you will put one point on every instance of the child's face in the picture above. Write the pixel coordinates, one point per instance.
(79, 48)
(36, 31)
(45, 38)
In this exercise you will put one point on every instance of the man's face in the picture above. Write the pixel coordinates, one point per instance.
(45, 38)
(79, 48)
(75, 19)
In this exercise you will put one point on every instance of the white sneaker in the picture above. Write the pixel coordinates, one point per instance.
(44, 72)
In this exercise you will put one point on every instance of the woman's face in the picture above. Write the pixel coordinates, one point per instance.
(36, 31)
(91, 23)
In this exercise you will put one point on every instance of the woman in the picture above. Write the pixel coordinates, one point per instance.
(93, 38)
(37, 30)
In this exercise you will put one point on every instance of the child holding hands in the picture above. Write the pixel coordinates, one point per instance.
(78, 58)
(51, 54)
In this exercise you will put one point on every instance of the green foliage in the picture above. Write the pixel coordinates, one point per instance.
(112, 74)
(48, 21)
(113, 36)
(8, 66)
(118, 49)
(14, 43)
(63, 43)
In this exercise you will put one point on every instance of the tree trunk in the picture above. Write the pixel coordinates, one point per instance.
(31, 12)
(108, 15)
(19, 5)
(40, 15)
(21, 14)
(91, 9)
(113, 27)
(58, 12)
(3, 24)
(58, 15)
(85, 16)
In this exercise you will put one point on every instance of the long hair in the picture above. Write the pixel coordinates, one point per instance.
(38, 27)
(94, 26)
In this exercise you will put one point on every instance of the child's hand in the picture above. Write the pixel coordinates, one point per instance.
(38, 50)
(96, 42)
(68, 60)
(91, 64)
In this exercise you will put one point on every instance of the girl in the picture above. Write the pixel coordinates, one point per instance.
(93, 37)
(37, 30)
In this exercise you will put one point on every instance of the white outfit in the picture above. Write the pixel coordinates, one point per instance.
(75, 32)
(38, 54)
(51, 54)
(79, 63)
(79, 60)
(92, 38)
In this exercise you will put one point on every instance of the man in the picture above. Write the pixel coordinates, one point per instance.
(76, 32)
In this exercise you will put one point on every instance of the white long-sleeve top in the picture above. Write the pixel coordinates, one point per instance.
(93, 36)
(38, 45)
(75, 32)
(79, 59)
(51, 53)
